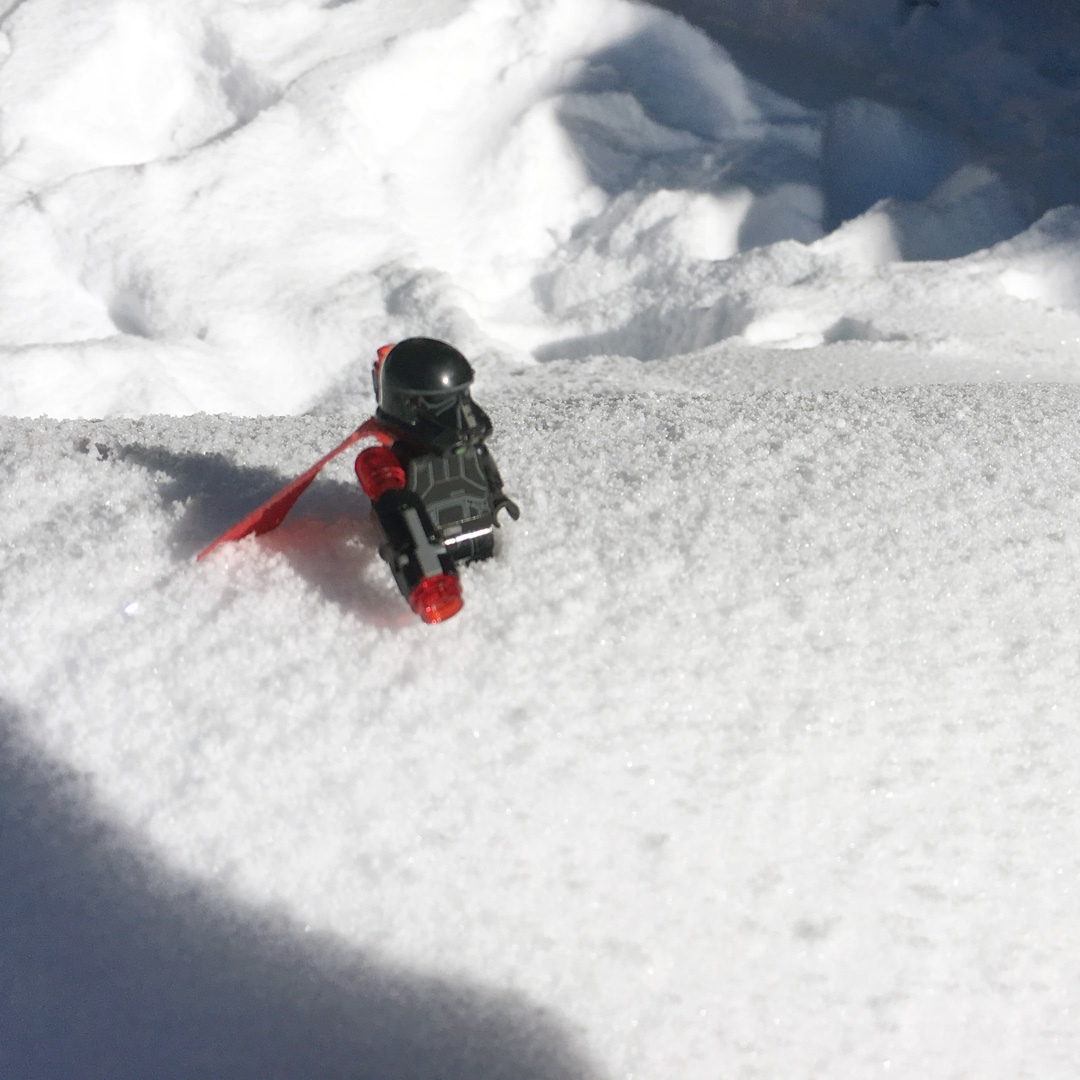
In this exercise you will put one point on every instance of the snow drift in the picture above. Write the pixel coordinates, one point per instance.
(221, 206)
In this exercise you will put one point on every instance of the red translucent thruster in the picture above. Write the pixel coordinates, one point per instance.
(436, 598)
(379, 471)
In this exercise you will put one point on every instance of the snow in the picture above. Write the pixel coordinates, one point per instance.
(749, 755)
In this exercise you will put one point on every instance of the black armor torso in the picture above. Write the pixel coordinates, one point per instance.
(456, 492)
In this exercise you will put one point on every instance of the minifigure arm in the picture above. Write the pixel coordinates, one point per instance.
(379, 470)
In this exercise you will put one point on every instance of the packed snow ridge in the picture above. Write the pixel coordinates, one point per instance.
(194, 195)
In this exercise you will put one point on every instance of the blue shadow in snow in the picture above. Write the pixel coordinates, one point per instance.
(116, 969)
(334, 558)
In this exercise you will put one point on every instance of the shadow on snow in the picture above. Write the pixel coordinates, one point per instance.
(114, 969)
(329, 537)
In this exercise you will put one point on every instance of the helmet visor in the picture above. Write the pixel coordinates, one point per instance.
(451, 410)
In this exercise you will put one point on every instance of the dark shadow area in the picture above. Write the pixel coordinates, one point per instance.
(869, 150)
(897, 154)
(1033, 144)
(328, 537)
(112, 968)
(872, 152)
(219, 493)
(647, 67)
(655, 333)
(808, 78)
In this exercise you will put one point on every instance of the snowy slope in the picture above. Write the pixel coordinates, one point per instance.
(746, 758)
(750, 754)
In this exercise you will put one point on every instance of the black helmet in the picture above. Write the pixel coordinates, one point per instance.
(422, 386)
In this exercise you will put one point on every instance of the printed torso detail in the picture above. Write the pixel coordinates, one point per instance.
(454, 489)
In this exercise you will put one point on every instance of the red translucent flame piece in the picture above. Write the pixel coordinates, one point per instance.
(436, 598)
(379, 471)
(272, 512)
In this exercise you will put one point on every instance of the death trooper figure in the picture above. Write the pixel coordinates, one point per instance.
(432, 481)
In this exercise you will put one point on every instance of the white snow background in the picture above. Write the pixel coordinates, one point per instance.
(752, 753)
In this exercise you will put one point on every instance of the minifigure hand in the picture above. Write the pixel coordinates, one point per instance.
(511, 507)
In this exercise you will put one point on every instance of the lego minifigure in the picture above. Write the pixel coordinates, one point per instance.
(433, 484)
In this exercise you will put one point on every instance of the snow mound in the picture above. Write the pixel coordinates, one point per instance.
(758, 675)
(1043, 264)
(221, 206)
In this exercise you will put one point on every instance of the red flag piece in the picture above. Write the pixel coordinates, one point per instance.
(272, 512)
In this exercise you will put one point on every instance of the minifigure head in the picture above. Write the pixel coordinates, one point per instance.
(422, 386)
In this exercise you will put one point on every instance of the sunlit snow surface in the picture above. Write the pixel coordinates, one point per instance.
(751, 753)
